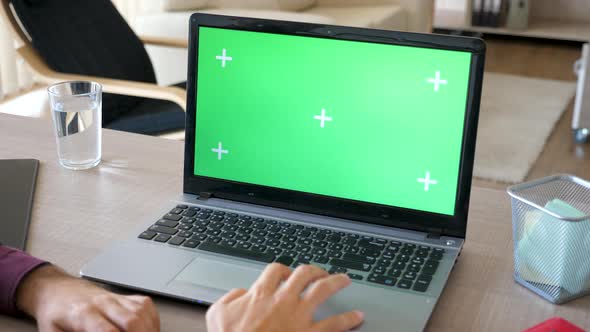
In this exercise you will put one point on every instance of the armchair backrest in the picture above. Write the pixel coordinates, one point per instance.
(87, 38)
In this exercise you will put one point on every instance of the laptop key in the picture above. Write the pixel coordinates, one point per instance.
(303, 248)
(287, 245)
(237, 252)
(189, 213)
(388, 255)
(176, 211)
(318, 236)
(384, 261)
(303, 233)
(355, 276)
(305, 257)
(379, 270)
(319, 251)
(421, 253)
(285, 260)
(350, 264)
(349, 241)
(370, 245)
(199, 237)
(213, 232)
(147, 235)
(273, 242)
(185, 227)
(436, 255)
(259, 248)
(404, 284)
(334, 253)
(274, 228)
(396, 273)
(275, 251)
(399, 265)
(370, 252)
(162, 238)
(381, 241)
(409, 275)
(407, 251)
(336, 246)
(383, 280)
(242, 237)
(430, 267)
(174, 217)
(417, 260)
(163, 229)
(359, 258)
(191, 243)
(185, 234)
(421, 285)
(288, 231)
(182, 206)
(320, 244)
(413, 267)
(334, 238)
(244, 245)
(337, 269)
(228, 242)
(291, 254)
(176, 241)
(351, 249)
(402, 258)
(321, 259)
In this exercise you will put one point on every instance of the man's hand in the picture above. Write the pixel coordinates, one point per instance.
(271, 305)
(63, 303)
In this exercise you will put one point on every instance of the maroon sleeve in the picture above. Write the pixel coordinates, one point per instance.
(14, 266)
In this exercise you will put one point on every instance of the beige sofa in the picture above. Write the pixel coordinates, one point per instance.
(171, 20)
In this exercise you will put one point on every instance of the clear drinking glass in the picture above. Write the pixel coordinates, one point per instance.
(76, 112)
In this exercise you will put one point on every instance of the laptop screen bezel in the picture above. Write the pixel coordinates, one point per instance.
(439, 224)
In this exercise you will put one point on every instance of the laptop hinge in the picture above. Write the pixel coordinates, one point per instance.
(205, 196)
(434, 234)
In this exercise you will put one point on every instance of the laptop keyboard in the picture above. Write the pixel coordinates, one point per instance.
(364, 258)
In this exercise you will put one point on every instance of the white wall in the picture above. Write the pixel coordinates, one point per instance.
(451, 4)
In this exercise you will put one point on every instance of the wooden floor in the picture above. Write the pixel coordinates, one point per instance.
(549, 60)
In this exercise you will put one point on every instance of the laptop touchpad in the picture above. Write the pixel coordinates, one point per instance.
(218, 274)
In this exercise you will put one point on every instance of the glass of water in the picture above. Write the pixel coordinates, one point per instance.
(77, 119)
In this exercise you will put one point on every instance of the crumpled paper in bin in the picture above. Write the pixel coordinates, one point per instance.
(555, 252)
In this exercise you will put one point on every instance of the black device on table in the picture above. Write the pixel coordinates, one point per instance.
(17, 188)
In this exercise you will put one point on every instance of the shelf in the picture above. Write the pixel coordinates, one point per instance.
(549, 29)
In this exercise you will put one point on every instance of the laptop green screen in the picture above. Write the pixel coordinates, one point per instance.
(363, 121)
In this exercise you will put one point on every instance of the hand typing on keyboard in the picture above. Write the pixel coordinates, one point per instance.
(275, 303)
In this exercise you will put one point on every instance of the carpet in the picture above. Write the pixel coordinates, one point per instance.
(516, 118)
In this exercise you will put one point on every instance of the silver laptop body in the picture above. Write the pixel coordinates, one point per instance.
(368, 240)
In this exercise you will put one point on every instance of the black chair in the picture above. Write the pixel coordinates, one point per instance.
(90, 40)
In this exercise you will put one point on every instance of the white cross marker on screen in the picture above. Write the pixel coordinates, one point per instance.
(427, 181)
(223, 57)
(437, 81)
(219, 151)
(323, 118)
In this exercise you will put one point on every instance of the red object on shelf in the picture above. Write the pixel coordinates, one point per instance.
(556, 324)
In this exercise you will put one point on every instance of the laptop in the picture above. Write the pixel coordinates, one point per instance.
(351, 149)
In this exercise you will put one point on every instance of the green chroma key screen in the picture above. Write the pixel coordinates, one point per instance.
(369, 122)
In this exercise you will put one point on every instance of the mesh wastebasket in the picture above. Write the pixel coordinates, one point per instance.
(551, 229)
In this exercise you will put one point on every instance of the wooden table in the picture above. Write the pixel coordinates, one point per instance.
(77, 213)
